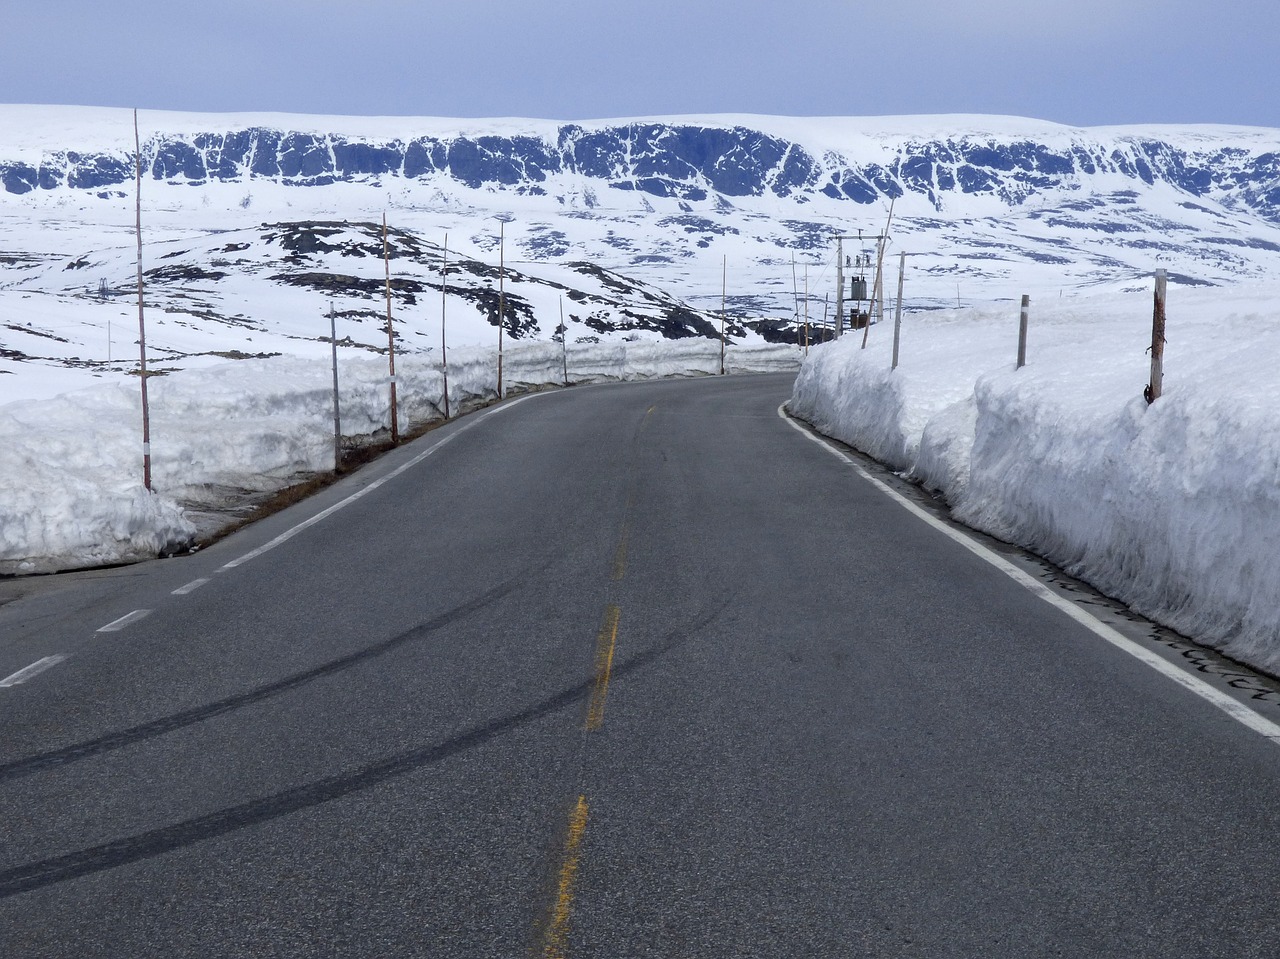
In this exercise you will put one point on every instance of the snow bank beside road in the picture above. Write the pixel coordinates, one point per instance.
(71, 489)
(1173, 508)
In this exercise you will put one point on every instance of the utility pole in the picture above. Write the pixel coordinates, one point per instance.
(391, 336)
(876, 303)
(839, 324)
(444, 290)
(142, 326)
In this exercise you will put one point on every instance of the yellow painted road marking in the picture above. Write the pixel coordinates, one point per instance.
(556, 943)
(605, 642)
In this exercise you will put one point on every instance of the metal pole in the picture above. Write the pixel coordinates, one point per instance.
(1156, 386)
(391, 336)
(1022, 331)
(337, 415)
(444, 356)
(142, 326)
(502, 300)
(897, 310)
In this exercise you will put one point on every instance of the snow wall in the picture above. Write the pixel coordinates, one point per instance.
(71, 492)
(1173, 508)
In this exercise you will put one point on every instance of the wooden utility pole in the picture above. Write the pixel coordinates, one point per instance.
(897, 309)
(142, 326)
(877, 290)
(391, 336)
(839, 323)
(502, 300)
(1156, 387)
(337, 415)
(1022, 330)
(724, 290)
(444, 291)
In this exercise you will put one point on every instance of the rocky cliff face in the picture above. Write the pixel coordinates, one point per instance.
(689, 162)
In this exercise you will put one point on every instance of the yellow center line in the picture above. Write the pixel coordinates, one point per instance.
(606, 640)
(556, 943)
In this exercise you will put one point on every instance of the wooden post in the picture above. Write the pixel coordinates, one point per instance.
(502, 297)
(1156, 387)
(897, 310)
(1022, 331)
(337, 415)
(391, 336)
(724, 289)
(142, 326)
(444, 291)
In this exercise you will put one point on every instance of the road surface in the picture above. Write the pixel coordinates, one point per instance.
(618, 671)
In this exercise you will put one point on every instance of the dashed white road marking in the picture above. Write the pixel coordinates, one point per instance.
(22, 675)
(116, 625)
(324, 514)
(1233, 708)
(191, 587)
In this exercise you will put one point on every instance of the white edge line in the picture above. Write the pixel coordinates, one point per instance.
(191, 587)
(22, 675)
(1233, 708)
(324, 514)
(118, 624)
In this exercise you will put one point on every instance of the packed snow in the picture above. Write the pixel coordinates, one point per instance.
(1173, 508)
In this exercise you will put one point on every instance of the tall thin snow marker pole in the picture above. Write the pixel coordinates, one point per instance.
(564, 343)
(806, 309)
(1156, 386)
(337, 415)
(444, 356)
(502, 299)
(1022, 330)
(724, 289)
(795, 293)
(391, 337)
(142, 326)
(897, 308)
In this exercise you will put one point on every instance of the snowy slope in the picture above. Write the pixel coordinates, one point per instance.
(671, 208)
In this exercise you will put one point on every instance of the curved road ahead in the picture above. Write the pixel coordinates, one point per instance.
(618, 671)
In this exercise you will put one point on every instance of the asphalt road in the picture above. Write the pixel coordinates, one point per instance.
(621, 671)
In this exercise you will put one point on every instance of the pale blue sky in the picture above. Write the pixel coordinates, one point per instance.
(1083, 62)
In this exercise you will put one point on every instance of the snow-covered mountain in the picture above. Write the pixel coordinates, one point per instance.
(632, 226)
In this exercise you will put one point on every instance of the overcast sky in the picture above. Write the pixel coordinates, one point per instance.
(1082, 62)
